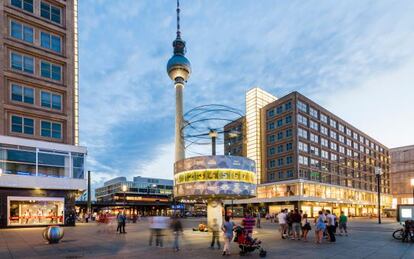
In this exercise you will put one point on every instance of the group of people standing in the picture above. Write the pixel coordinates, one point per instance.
(296, 225)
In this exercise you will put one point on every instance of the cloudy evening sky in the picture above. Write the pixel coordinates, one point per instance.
(355, 58)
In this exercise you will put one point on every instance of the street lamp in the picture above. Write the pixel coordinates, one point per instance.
(412, 185)
(378, 172)
(124, 188)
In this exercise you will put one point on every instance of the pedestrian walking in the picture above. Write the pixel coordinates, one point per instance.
(320, 227)
(330, 226)
(227, 228)
(289, 222)
(124, 218)
(306, 227)
(258, 219)
(177, 229)
(282, 223)
(296, 227)
(215, 229)
(119, 221)
(248, 223)
(343, 220)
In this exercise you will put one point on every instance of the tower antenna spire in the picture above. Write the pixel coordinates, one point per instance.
(178, 20)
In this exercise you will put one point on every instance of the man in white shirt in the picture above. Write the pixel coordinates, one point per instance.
(282, 223)
(330, 226)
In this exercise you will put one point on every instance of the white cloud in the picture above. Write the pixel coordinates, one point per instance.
(381, 106)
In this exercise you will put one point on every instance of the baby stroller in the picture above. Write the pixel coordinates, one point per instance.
(246, 243)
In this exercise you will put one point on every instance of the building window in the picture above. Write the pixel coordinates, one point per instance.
(271, 176)
(333, 146)
(288, 133)
(355, 135)
(270, 125)
(288, 105)
(280, 148)
(289, 160)
(50, 12)
(26, 5)
(52, 71)
(341, 127)
(314, 125)
(348, 142)
(288, 146)
(314, 138)
(342, 149)
(271, 138)
(280, 175)
(279, 123)
(22, 63)
(314, 150)
(51, 129)
(288, 119)
(22, 94)
(334, 157)
(348, 132)
(280, 135)
(50, 100)
(271, 113)
(324, 154)
(313, 112)
(324, 130)
(21, 32)
(22, 125)
(289, 173)
(279, 109)
(314, 162)
(341, 139)
(332, 123)
(333, 134)
(324, 142)
(50, 41)
(303, 160)
(272, 163)
(355, 145)
(302, 120)
(349, 152)
(324, 118)
(303, 133)
(271, 151)
(303, 146)
(280, 161)
(302, 106)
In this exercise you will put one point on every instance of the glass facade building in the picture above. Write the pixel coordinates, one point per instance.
(324, 159)
(143, 195)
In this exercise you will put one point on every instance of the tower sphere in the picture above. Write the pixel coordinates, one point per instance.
(179, 67)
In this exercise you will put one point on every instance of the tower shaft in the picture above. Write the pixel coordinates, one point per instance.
(179, 122)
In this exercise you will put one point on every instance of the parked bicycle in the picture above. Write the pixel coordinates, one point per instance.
(406, 233)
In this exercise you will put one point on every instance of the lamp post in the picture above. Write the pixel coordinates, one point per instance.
(378, 172)
(412, 185)
(124, 188)
(213, 134)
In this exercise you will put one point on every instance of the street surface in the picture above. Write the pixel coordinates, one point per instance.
(367, 239)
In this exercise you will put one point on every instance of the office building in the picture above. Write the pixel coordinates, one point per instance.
(41, 164)
(311, 159)
(402, 171)
(143, 195)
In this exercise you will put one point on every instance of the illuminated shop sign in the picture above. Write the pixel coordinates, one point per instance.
(215, 175)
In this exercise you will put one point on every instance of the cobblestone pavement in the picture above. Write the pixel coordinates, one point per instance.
(366, 240)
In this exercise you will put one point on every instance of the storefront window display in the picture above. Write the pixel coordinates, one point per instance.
(35, 211)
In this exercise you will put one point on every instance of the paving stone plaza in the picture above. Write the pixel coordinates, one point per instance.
(367, 239)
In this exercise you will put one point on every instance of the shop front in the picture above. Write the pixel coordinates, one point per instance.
(31, 211)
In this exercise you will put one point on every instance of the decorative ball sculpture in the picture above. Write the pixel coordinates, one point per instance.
(53, 234)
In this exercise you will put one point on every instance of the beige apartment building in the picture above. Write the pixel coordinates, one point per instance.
(41, 164)
(402, 171)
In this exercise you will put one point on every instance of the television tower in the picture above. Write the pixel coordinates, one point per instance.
(179, 70)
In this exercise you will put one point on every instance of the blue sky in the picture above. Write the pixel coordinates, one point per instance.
(355, 58)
